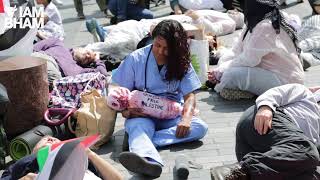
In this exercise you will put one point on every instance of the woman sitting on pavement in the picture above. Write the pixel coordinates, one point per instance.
(164, 69)
(266, 55)
(182, 6)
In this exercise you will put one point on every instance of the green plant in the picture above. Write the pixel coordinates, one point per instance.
(195, 63)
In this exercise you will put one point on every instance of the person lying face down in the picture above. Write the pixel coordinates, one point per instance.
(27, 168)
(63, 61)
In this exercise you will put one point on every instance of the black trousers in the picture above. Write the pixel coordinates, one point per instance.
(284, 153)
(233, 4)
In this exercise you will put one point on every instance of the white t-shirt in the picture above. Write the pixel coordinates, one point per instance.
(201, 4)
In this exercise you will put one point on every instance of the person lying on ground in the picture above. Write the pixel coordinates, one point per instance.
(182, 6)
(278, 137)
(309, 42)
(227, 5)
(122, 39)
(217, 23)
(62, 61)
(53, 27)
(27, 168)
(265, 56)
(164, 69)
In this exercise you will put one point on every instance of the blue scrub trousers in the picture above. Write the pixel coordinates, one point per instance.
(145, 135)
(125, 10)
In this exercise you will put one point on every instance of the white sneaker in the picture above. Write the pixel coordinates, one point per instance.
(58, 2)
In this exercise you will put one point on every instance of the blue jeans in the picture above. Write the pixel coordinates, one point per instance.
(145, 135)
(125, 10)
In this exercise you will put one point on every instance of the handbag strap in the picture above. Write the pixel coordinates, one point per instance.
(73, 131)
(96, 75)
(58, 111)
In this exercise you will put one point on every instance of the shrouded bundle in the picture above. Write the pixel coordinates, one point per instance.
(155, 106)
(152, 105)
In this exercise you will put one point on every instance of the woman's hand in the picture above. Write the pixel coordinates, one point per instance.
(183, 128)
(29, 176)
(133, 113)
(263, 120)
(90, 153)
(214, 77)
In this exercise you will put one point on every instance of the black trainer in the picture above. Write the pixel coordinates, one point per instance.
(140, 165)
(182, 166)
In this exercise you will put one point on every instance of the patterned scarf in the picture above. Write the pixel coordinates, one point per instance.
(257, 10)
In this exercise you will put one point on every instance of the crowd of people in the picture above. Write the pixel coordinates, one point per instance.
(277, 138)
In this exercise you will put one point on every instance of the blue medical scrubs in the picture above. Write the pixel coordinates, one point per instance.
(146, 134)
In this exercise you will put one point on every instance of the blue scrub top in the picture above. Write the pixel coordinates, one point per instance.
(131, 74)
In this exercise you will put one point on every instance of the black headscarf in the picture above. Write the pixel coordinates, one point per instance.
(258, 10)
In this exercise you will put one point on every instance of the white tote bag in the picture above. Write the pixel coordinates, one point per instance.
(199, 50)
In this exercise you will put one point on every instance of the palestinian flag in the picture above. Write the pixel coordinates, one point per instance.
(65, 160)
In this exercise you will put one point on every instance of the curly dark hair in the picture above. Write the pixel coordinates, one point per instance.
(176, 37)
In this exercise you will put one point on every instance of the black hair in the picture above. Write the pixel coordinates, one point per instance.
(176, 37)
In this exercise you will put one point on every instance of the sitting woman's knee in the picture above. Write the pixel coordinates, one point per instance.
(138, 123)
(201, 127)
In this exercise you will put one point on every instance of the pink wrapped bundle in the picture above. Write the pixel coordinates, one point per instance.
(155, 106)
(118, 98)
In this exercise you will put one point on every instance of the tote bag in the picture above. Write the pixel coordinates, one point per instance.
(66, 91)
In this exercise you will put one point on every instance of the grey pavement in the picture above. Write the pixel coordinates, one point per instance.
(217, 147)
